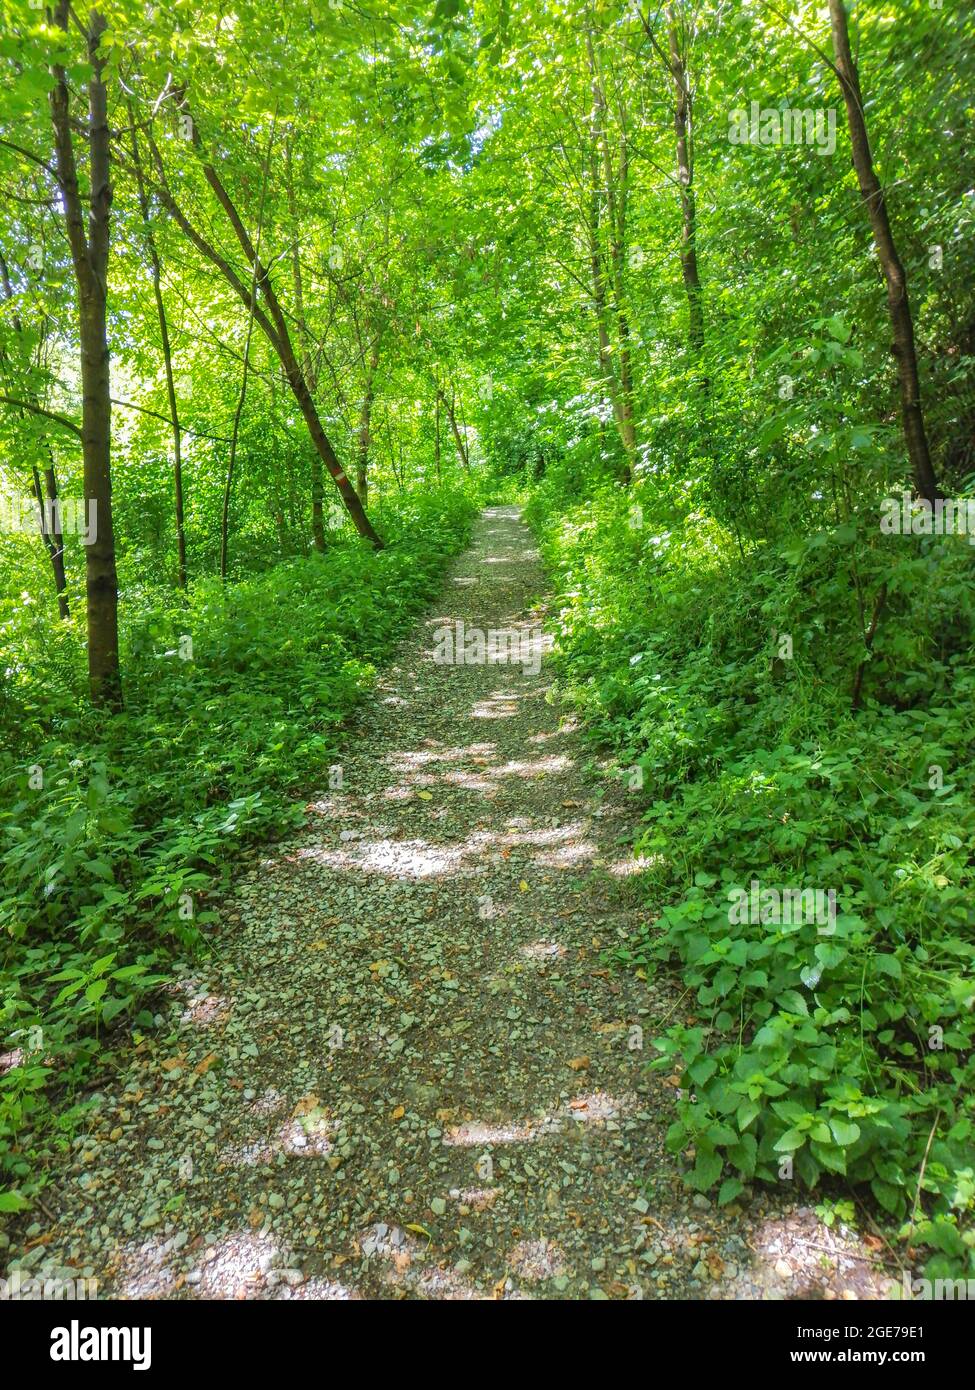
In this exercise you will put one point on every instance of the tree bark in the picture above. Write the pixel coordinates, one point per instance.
(308, 362)
(181, 572)
(274, 327)
(462, 453)
(898, 304)
(50, 526)
(365, 425)
(52, 533)
(232, 459)
(609, 276)
(89, 255)
(616, 195)
(688, 203)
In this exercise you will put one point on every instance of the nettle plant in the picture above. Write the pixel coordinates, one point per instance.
(844, 1052)
(827, 1060)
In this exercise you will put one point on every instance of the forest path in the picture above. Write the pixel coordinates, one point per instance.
(406, 1071)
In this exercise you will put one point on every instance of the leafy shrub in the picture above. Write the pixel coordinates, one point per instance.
(113, 832)
(845, 1048)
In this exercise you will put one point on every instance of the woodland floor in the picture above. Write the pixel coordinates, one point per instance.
(405, 1070)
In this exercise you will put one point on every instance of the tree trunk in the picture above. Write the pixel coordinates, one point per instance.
(52, 533)
(273, 325)
(462, 453)
(232, 460)
(308, 363)
(688, 202)
(621, 392)
(898, 304)
(392, 452)
(365, 422)
(89, 254)
(181, 575)
(51, 530)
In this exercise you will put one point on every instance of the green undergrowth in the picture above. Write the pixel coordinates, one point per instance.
(114, 832)
(824, 1053)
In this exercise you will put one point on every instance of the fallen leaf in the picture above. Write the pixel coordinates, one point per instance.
(398, 1113)
(305, 1106)
(579, 1063)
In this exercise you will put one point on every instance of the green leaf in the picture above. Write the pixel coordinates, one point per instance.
(845, 1132)
(12, 1200)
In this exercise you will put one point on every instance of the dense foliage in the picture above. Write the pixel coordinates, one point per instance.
(114, 833)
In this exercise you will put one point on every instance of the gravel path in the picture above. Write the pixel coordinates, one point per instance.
(405, 1071)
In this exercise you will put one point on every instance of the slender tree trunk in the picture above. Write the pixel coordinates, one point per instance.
(462, 453)
(181, 574)
(308, 363)
(365, 423)
(242, 394)
(89, 254)
(278, 515)
(620, 391)
(51, 530)
(436, 438)
(232, 460)
(616, 196)
(898, 304)
(52, 534)
(273, 325)
(688, 202)
(392, 453)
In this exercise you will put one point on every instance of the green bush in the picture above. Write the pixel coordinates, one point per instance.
(846, 1047)
(113, 833)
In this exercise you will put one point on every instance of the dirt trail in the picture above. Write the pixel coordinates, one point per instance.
(406, 1070)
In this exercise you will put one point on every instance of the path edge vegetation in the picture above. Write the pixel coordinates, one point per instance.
(834, 1062)
(135, 824)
